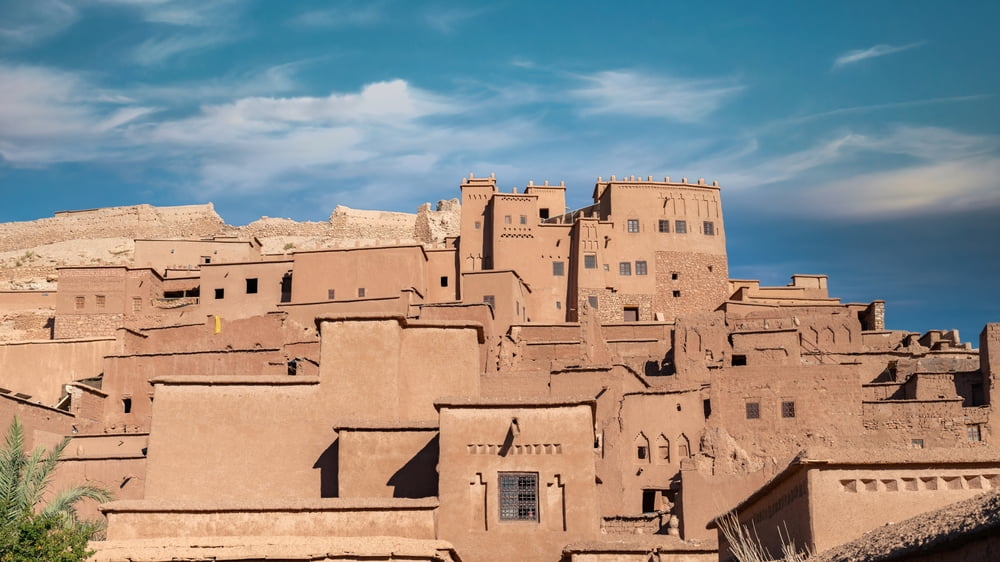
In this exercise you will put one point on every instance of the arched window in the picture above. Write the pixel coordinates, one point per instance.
(662, 450)
(683, 447)
(642, 452)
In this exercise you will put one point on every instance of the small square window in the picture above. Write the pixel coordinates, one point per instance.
(558, 305)
(677, 294)
(788, 409)
(136, 304)
(592, 301)
(444, 280)
(753, 410)
(708, 227)
(633, 225)
(206, 259)
(518, 496)
(625, 268)
(543, 213)
(680, 227)
(100, 300)
(331, 294)
(640, 452)
(630, 314)
(126, 405)
(79, 302)
(917, 443)
(252, 286)
(675, 276)
(361, 292)
(640, 268)
(506, 219)
(558, 268)
(220, 294)
(739, 360)
(590, 261)
(490, 300)
(479, 225)
(524, 219)
(973, 432)
(664, 226)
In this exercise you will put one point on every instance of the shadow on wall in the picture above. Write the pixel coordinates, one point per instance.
(328, 464)
(418, 478)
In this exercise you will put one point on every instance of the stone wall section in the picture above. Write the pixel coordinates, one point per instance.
(701, 283)
(87, 325)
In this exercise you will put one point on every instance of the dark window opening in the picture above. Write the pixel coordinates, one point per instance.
(739, 360)
(706, 405)
(444, 280)
(664, 226)
(558, 305)
(220, 294)
(286, 288)
(490, 300)
(675, 276)
(361, 292)
(978, 397)
(252, 286)
(788, 409)
(293, 367)
(518, 496)
(331, 294)
(753, 410)
(649, 501)
(543, 213)
(127, 405)
(708, 227)
(677, 294)
(479, 225)
(206, 259)
(173, 294)
(524, 219)
(631, 313)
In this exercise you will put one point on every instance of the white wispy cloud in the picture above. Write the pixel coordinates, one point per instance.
(197, 13)
(628, 92)
(449, 19)
(347, 14)
(27, 23)
(158, 50)
(858, 55)
(48, 116)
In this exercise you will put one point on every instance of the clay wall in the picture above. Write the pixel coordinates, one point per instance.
(275, 518)
(553, 442)
(788, 509)
(268, 331)
(441, 282)
(41, 368)
(934, 423)
(305, 314)
(43, 426)
(388, 461)
(176, 254)
(391, 369)
(248, 440)
(19, 301)
(379, 272)
(771, 348)
(849, 501)
(114, 462)
(247, 289)
(704, 497)
(826, 406)
(510, 296)
(475, 233)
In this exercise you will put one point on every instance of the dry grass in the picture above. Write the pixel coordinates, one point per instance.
(745, 544)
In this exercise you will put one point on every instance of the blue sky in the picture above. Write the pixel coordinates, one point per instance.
(857, 139)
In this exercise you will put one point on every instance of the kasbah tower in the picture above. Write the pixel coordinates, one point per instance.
(499, 378)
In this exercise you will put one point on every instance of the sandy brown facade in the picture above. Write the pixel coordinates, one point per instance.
(516, 380)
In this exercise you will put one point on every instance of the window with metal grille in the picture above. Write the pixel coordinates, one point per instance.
(590, 261)
(523, 219)
(518, 496)
(788, 409)
(664, 226)
(558, 268)
(708, 227)
(680, 227)
(640, 268)
(331, 294)
(100, 300)
(361, 292)
(80, 301)
(136, 304)
(592, 301)
(625, 268)
(490, 300)
(973, 432)
(633, 225)
(753, 410)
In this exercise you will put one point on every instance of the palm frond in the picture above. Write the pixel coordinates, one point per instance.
(65, 500)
